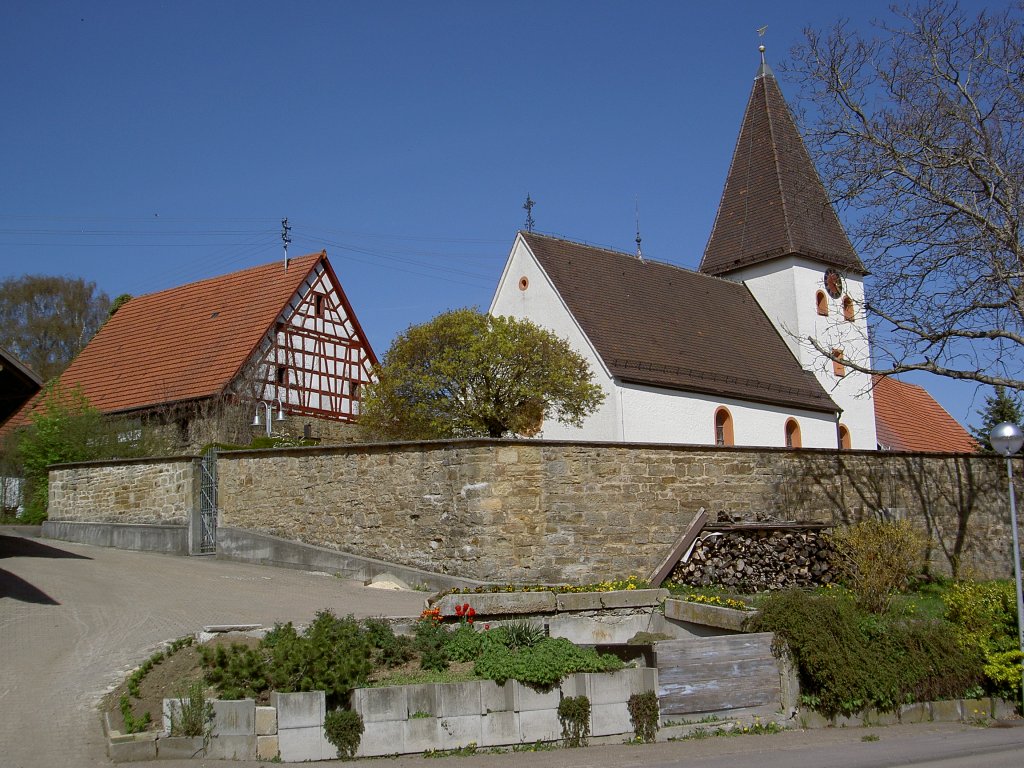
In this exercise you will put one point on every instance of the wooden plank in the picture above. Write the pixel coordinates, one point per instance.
(759, 643)
(689, 536)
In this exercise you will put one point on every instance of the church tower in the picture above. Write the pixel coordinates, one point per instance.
(777, 233)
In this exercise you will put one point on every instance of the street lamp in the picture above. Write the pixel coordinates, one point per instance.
(268, 410)
(1007, 439)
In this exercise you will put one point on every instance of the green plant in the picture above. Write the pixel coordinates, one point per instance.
(848, 659)
(644, 713)
(543, 664)
(464, 644)
(133, 724)
(984, 615)
(574, 715)
(344, 729)
(876, 559)
(521, 634)
(869, 737)
(193, 715)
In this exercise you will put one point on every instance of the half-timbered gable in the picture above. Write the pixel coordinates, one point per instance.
(317, 358)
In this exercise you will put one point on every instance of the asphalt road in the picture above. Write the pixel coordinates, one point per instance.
(74, 619)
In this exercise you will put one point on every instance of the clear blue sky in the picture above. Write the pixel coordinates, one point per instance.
(148, 144)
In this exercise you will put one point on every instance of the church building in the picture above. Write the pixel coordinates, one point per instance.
(720, 355)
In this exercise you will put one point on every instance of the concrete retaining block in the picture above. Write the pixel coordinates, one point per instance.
(383, 738)
(578, 601)
(576, 685)
(707, 615)
(142, 746)
(456, 699)
(458, 731)
(267, 747)
(633, 598)
(180, 748)
(915, 713)
(377, 704)
(422, 734)
(500, 603)
(811, 719)
(499, 728)
(973, 710)
(874, 717)
(945, 711)
(496, 698)
(1003, 709)
(266, 721)
(300, 710)
(528, 699)
(297, 745)
(232, 748)
(614, 687)
(422, 698)
(539, 725)
(609, 719)
(234, 718)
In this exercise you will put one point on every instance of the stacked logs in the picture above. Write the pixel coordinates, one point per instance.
(757, 560)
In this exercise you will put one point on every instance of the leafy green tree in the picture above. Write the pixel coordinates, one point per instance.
(999, 407)
(466, 374)
(45, 320)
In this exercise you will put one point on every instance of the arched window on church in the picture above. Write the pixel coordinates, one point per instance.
(793, 434)
(844, 437)
(848, 310)
(822, 303)
(723, 427)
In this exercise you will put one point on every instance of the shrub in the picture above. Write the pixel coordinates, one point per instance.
(542, 665)
(522, 634)
(464, 644)
(574, 715)
(848, 659)
(984, 615)
(644, 713)
(332, 655)
(344, 729)
(875, 559)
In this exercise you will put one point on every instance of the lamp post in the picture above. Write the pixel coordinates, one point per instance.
(267, 406)
(1007, 439)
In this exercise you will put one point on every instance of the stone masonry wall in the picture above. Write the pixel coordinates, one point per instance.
(135, 491)
(532, 511)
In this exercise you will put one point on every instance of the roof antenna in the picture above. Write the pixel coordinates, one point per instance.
(285, 238)
(528, 207)
(639, 253)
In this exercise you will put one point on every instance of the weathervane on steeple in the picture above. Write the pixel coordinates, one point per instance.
(765, 69)
(528, 207)
(285, 238)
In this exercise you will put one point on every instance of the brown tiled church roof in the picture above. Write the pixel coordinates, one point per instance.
(907, 418)
(664, 326)
(774, 204)
(185, 343)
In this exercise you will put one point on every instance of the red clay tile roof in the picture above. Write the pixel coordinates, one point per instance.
(664, 326)
(907, 418)
(773, 203)
(18, 383)
(186, 343)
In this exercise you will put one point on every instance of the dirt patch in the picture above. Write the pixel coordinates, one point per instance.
(165, 681)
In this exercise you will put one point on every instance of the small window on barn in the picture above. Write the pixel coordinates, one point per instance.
(723, 427)
(792, 434)
(822, 303)
(837, 363)
(844, 437)
(282, 374)
(318, 304)
(848, 310)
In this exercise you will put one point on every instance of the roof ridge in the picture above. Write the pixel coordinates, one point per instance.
(291, 262)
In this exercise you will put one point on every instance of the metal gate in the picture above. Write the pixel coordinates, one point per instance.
(208, 502)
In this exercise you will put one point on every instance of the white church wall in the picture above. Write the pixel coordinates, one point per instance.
(540, 303)
(652, 415)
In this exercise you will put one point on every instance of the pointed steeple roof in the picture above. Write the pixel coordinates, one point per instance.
(774, 203)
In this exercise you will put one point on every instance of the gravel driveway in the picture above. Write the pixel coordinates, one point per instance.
(75, 618)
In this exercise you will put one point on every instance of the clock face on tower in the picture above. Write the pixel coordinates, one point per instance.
(833, 283)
